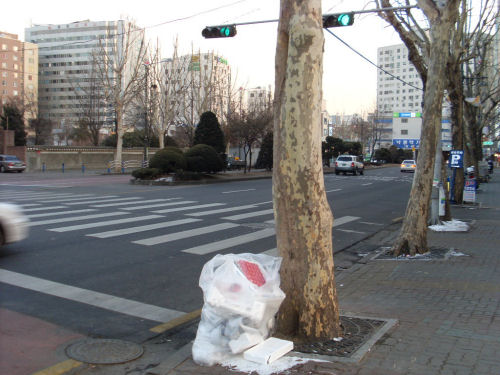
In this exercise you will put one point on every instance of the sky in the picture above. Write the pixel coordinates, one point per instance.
(349, 82)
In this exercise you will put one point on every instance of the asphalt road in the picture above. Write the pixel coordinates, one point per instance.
(108, 259)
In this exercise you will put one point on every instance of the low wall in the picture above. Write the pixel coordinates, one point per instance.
(93, 158)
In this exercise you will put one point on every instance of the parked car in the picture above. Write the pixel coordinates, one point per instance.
(13, 224)
(10, 163)
(408, 166)
(349, 163)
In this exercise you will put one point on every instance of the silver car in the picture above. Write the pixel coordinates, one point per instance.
(10, 163)
(408, 166)
(13, 224)
(349, 163)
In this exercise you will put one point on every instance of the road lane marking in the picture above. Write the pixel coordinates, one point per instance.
(75, 218)
(60, 213)
(142, 228)
(185, 234)
(351, 231)
(230, 242)
(104, 200)
(176, 322)
(188, 208)
(229, 209)
(248, 215)
(104, 223)
(344, 220)
(237, 191)
(369, 183)
(60, 368)
(331, 191)
(104, 301)
(369, 223)
(158, 205)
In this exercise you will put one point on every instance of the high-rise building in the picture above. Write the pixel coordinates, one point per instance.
(400, 100)
(19, 73)
(66, 67)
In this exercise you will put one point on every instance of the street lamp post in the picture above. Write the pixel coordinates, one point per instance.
(146, 122)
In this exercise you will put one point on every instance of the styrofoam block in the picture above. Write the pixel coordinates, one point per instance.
(245, 341)
(268, 351)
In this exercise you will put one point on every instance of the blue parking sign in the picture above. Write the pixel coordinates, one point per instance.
(456, 159)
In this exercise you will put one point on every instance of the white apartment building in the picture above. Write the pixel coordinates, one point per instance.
(66, 67)
(258, 98)
(400, 100)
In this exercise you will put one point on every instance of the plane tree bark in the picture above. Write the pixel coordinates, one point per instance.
(302, 214)
(434, 49)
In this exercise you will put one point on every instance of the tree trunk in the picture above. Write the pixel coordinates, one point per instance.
(303, 217)
(413, 236)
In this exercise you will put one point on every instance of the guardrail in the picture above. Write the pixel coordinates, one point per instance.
(123, 165)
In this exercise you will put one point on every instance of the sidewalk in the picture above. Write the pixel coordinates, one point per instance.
(448, 311)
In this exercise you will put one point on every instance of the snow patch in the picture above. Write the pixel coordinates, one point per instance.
(238, 363)
(450, 226)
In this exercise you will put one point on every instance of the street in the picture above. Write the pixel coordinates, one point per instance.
(108, 259)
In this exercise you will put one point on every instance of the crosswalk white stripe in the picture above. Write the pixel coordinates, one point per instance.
(60, 213)
(125, 203)
(189, 208)
(104, 223)
(351, 231)
(344, 220)
(229, 209)
(185, 234)
(237, 191)
(75, 218)
(248, 215)
(89, 297)
(76, 199)
(157, 205)
(142, 228)
(230, 242)
(25, 194)
(43, 208)
(331, 191)
(104, 200)
(29, 205)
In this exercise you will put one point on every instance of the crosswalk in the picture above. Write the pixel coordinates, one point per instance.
(148, 222)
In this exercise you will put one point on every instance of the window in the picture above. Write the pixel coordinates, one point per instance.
(404, 132)
(404, 120)
(4, 74)
(4, 47)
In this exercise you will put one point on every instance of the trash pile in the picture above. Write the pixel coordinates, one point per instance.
(241, 297)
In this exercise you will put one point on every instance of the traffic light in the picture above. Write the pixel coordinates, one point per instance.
(227, 31)
(338, 20)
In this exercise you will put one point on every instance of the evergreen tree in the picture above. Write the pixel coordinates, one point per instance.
(12, 119)
(208, 132)
(265, 159)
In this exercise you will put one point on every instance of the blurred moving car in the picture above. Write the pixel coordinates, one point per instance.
(10, 163)
(408, 166)
(349, 163)
(13, 224)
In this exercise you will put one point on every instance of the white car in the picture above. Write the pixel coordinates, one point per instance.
(13, 224)
(349, 163)
(408, 166)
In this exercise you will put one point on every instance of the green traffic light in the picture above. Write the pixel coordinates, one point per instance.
(344, 19)
(225, 31)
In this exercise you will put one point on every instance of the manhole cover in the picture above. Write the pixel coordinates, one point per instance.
(104, 351)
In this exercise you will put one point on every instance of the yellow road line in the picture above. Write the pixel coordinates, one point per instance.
(60, 368)
(176, 322)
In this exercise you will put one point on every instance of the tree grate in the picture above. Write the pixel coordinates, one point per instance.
(357, 331)
(434, 253)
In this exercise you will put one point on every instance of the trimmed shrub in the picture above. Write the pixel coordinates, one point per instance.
(188, 176)
(203, 159)
(168, 160)
(146, 173)
(208, 132)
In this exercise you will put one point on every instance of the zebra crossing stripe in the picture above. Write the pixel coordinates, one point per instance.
(230, 242)
(104, 223)
(344, 220)
(185, 234)
(229, 209)
(158, 205)
(75, 218)
(125, 203)
(59, 213)
(104, 200)
(43, 208)
(248, 215)
(188, 208)
(76, 199)
(142, 228)
(89, 297)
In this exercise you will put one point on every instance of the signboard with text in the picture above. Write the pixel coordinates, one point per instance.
(456, 159)
(406, 143)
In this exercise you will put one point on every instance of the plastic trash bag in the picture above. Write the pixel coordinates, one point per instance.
(241, 294)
